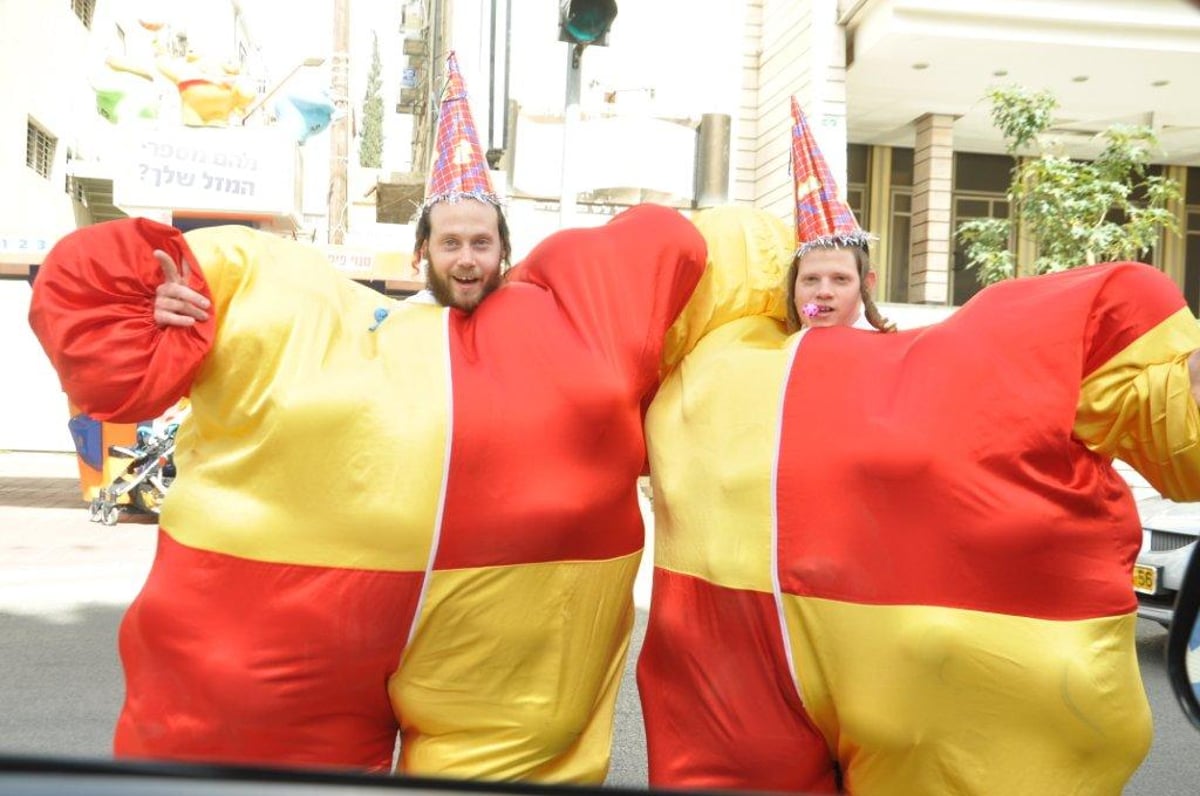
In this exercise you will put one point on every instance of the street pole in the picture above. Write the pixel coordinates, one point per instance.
(339, 143)
(567, 190)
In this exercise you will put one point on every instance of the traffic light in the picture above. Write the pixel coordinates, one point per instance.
(585, 22)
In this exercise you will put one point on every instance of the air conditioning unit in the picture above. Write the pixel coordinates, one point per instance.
(409, 99)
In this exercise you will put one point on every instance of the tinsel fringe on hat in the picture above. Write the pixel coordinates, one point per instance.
(454, 197)
(857, 238)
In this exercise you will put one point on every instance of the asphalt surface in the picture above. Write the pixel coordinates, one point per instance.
(65, 581)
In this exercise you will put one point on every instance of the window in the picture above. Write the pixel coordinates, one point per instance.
(975, 173)
(857, 174)
(980, 191)
(84, 10)
(900, 241)
(902, 167)
(1191, 231)
(74, 189)
(1192, 191)
(1191, 267)
(899, 229)
(964, 281)
(39, 149)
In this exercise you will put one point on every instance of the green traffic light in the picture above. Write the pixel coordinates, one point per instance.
(589, 21)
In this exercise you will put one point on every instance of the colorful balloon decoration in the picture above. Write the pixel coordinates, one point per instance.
(125, 93)
(305, 112)
(210, 94)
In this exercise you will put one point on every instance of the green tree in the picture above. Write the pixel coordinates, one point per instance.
(370, 145)
(1076, 212)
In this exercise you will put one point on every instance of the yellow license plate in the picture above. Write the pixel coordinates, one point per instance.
(1145, 579)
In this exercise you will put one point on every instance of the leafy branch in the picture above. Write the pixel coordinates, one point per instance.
(1076, 212)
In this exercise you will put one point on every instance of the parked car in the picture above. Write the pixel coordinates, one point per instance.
(1169, 533)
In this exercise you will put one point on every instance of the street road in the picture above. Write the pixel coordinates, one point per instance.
(64, 583)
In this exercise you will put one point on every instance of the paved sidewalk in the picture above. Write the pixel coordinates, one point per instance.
(40, 501)
(39, 480)
(53, 559)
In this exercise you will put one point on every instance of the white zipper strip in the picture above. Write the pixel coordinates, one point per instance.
(441, 507)
(776, 589)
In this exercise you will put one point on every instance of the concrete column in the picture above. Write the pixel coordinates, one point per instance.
(1172, 254)
(933, 162)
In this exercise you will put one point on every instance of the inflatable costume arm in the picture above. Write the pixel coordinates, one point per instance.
(93, 312)
(622, 284)
(1135, 402)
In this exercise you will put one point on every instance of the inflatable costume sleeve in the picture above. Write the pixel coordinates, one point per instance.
(93, 311)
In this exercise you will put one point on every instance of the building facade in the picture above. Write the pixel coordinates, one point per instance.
(44, 56)
(101, 121)
(895, 88)
(681, 107)
(926, 157)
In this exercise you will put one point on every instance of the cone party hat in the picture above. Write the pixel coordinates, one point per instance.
(822, 218)
(459, 168)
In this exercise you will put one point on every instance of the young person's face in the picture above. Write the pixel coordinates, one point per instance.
(464, 253)
(828, 280)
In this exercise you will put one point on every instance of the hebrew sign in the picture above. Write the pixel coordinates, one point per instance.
(233, 170)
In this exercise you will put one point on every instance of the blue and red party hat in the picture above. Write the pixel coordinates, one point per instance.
(460, 170)
(823, 219)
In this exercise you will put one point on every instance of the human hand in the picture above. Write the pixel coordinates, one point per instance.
(176, 304)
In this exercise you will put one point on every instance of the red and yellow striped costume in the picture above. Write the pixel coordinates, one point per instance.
(909, 554)
(429, 527)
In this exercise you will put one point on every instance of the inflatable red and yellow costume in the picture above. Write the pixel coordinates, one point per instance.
(908, 554)
(429, 526)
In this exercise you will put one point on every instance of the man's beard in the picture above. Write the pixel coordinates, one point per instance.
(443, 289)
